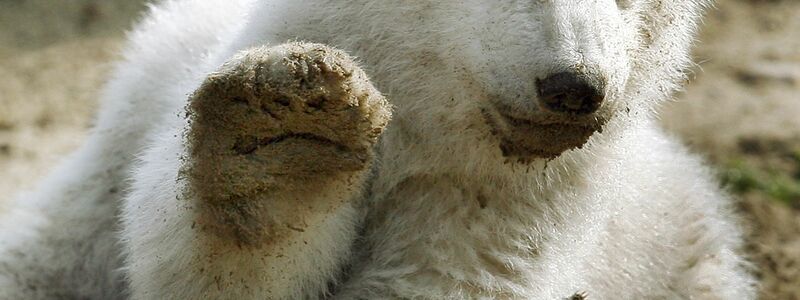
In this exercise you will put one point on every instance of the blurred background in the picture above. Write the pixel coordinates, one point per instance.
(740, 109)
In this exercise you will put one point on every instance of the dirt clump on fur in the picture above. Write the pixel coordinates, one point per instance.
(524, 140)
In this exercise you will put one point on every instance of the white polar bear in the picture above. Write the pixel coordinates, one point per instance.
(522, 159)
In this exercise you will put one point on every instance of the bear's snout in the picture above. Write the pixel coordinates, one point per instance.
(571, 93)
(569, 109)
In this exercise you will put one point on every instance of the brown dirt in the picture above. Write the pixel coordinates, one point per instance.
(263, 127)
(54, 55)
(745, 92)
(46, 101)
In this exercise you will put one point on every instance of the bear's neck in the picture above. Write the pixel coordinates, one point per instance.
(449, 224)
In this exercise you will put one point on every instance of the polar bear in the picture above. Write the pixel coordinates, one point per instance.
(362, 149)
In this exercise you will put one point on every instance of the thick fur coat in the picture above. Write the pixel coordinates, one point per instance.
(450, 200)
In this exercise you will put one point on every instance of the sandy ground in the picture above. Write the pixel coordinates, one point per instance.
(740, 108)
(54, 56)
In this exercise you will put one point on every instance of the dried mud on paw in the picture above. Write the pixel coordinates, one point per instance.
(279, 121)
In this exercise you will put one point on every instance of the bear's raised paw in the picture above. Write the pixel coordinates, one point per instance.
(280, 120)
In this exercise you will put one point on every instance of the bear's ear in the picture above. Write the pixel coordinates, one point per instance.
(668, 29)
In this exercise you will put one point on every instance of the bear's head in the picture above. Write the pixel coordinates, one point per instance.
(556, 71)
(545, 76)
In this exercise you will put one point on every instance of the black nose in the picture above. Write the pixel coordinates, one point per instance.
(572, 93)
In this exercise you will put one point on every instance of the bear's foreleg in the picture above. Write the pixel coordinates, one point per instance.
(257, 196)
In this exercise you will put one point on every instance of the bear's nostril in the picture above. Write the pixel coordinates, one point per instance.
(572, 93)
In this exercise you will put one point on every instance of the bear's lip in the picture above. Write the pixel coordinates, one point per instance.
(545, 137)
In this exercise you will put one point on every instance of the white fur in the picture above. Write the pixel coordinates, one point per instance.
(631, 215)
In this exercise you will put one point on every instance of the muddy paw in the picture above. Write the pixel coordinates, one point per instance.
(273, 118)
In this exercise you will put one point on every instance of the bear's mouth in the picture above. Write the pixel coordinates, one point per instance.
(546, 137)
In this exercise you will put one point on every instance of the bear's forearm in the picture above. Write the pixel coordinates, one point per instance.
(277, 146)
